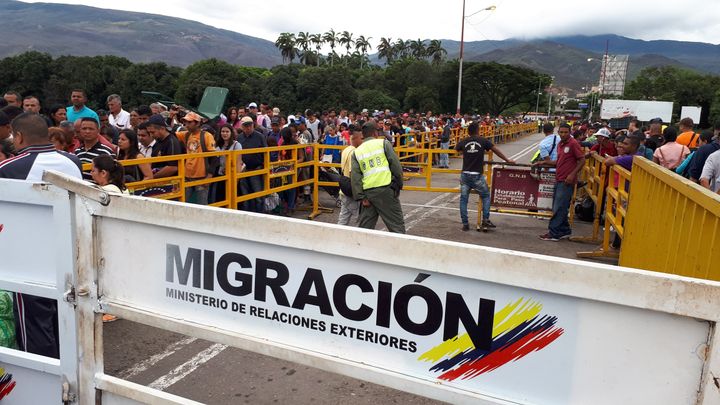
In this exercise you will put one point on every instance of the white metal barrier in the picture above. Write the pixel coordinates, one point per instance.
(460, 323)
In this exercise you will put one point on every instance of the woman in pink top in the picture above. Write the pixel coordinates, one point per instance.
(671, 154)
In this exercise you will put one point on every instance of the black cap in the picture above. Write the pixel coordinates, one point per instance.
(274, 120)
(656, 120)
(157, 119)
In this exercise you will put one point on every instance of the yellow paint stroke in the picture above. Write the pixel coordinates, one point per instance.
(508, 318)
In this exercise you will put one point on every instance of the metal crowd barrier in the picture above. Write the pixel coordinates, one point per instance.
(672, 225)
(594, 175)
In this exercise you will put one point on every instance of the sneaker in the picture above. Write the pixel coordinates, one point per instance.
(483, 227)
(548, 237)
(565, 237)
(466, 227)
(489, 223)
(109, 318)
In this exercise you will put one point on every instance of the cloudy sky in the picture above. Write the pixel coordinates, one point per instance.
(689, 20)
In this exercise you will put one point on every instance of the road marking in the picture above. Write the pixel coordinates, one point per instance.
(183, 370)
(507, 214)
(526, 150)
(147, 363)
(426, 214)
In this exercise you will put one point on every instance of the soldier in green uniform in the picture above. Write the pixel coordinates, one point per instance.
(377, 181)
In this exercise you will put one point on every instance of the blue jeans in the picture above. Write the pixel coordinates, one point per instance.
(475, 182)
(559, 225)
(249, 185)
(444, 158)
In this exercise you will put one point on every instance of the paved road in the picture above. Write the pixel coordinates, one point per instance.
(215, 374)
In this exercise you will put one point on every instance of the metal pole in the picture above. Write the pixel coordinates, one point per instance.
(460, 73)
(537, 102)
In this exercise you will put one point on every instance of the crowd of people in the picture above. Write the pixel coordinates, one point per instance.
(695, 156)
(159, 130)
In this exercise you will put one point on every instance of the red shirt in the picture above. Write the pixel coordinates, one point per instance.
(569, 153)
(608, 149)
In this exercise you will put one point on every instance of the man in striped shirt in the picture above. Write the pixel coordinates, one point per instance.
(36, 320)
(90, 146)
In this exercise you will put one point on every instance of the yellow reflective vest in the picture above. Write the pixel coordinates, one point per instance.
(373, 164)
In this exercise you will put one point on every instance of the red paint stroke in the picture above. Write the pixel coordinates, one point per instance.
(7, 389)
(2, 226)
(533, 341)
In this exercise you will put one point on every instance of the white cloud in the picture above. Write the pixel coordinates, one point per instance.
(691, 20)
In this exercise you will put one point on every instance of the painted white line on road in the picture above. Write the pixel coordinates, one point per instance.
(426, 214)
(151, 361)
(507, 214)
(183, 370)
(525, 151)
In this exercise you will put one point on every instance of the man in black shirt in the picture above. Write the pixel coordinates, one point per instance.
(166, 144)
(249, 138)
(473, 149)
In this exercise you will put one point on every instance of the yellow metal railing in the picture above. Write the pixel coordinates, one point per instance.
(672, 224)
(594, 175)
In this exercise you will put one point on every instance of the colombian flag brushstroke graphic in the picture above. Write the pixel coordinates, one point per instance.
(518, 330)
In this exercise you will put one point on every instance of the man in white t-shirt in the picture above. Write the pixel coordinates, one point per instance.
(118, 117)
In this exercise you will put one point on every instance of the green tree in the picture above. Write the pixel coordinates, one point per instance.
(386, 50)
(417, 49)
(374, 99)
(346, 39)
(303, 43)
(317, 40)
(26, 73)
(326, 87)
(156, 76)
(362, 45)
(436, 52)
(286, 44)
(421, 98)
(331, 38)
(681, 86)
(400, 49)
(94, 74)
(494, 88)
(210, 72)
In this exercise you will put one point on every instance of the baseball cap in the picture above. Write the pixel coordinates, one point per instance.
(299, 120)
(157, 119)
(191, 116)
(246, 120)
(603, 132)
(252, 105)
(274, 120)
(656, 120)
(597, 125)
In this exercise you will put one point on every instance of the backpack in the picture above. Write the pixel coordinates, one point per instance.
(212, 162)
(585, 210)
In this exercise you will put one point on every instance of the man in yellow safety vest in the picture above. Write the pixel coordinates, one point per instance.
(377, 181)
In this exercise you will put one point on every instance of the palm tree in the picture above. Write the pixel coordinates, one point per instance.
(362, 44)
(417, 48)
(400, 48)
(286, 44)
(331, 38)
(386, 50)
(346, 38)
(303, 42)
(435, 51)
(317, 40)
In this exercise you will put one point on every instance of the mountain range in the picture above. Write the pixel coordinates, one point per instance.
(61, 29)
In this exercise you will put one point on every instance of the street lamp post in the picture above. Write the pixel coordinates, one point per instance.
(462, 46)
(537, 102)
